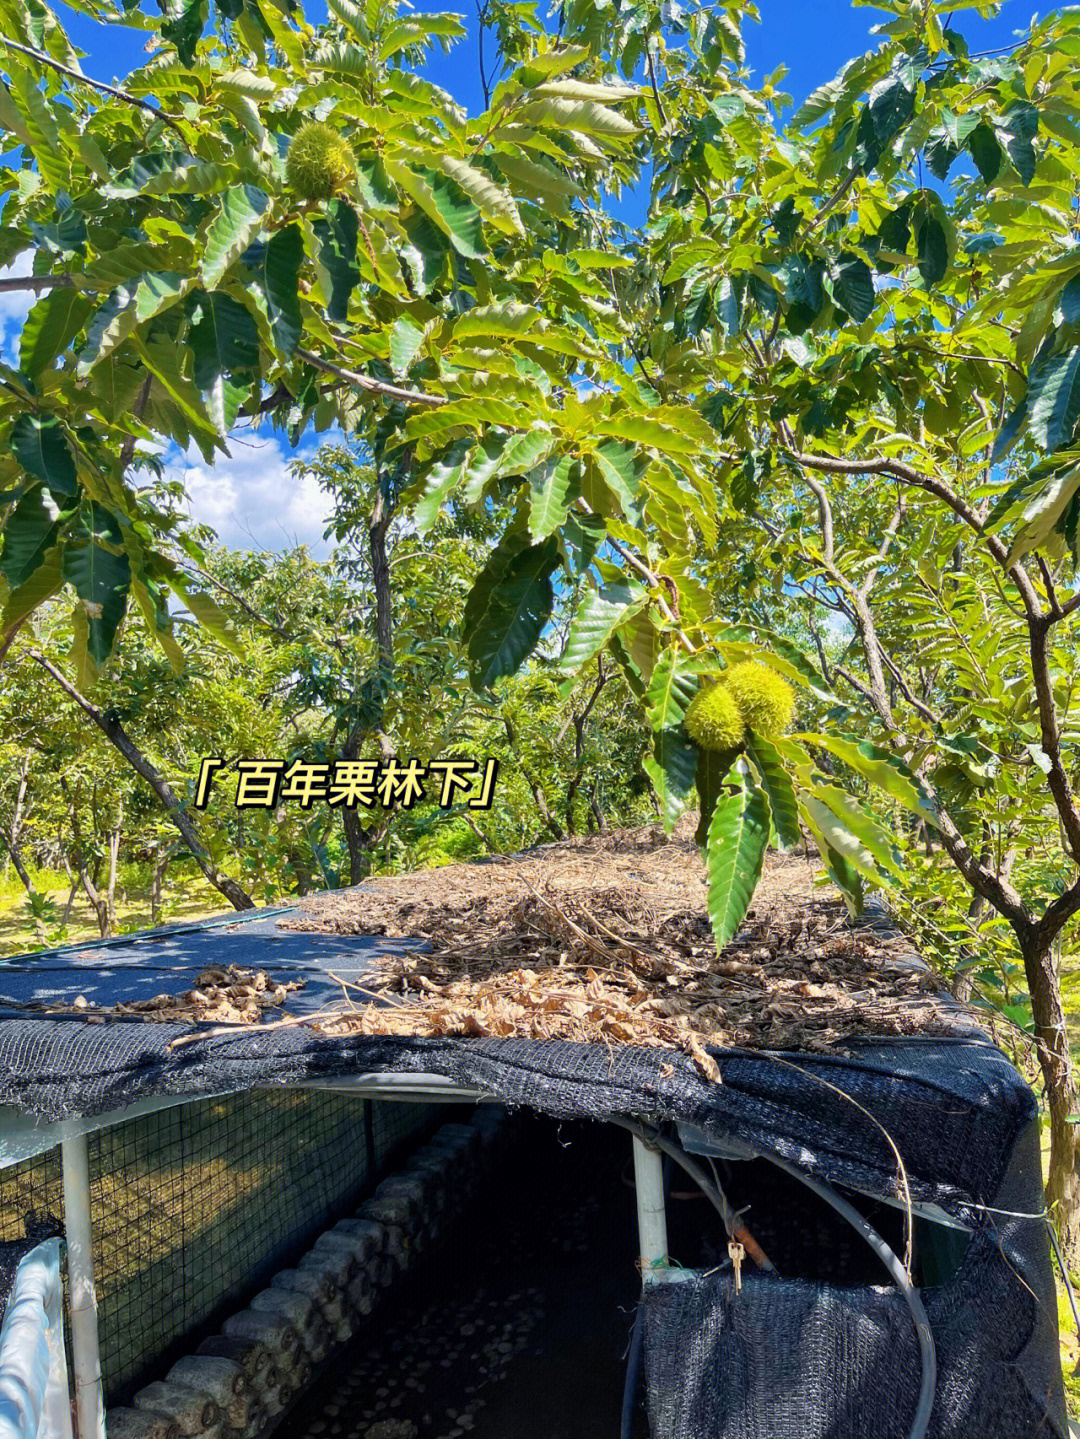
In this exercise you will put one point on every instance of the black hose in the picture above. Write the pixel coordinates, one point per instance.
(633, 1376)
(923, 1332)
(712, 1191)
(709, 1187)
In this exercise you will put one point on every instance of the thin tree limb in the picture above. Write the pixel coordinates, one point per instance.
(375, 387)
(37, 283)
(123, 95)
(119, 738)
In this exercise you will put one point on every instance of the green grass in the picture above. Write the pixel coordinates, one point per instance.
(11, 888)
(185, 899)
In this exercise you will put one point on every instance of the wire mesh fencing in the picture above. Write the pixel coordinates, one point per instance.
(195, 1206)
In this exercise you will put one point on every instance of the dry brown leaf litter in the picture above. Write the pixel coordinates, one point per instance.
(227, 994)
(606, 940)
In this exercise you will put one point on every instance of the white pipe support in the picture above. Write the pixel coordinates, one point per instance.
(82, 1296)
(651, 1214)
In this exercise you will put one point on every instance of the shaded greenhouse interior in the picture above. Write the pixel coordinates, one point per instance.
(517, 1324)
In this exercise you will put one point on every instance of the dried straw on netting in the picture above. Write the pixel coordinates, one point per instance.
(607, 941)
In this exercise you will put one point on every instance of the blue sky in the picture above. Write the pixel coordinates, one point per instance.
(813, 38)
(250, 498)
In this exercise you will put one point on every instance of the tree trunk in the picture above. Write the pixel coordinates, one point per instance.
(12, 851)
(1052, 1040)
(360, 841)
(378, 525)
(157, 879)
(114, 861)
(11, 840)
(98, 905)
(597, 812)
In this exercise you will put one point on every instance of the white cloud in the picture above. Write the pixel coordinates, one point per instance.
(14, 306)
(251, 499)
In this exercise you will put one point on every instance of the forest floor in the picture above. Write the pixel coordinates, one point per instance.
(187, 900)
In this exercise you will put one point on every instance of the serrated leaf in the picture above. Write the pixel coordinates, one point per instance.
(885, 771)
(33, 592)
(550, 487)
(853, 287)
(247, 82)
(586, 117)
(29, 532)
(984, 149)
(442, 476)
(514, 454)
(1018, 128)
(214, 620)
(713, 767)
(1054, 399)
(672, 769)
(645, 430)
(843, 874)
(600, 613)
(817, 104)
(534, 176)
(234, 227)
(778, 788)
(282, 260)
(405, 340)
(671, 688)
(158, 623)
(518, 608)
(100, 578)
(539, 68)
(506, 321)
(581, 536)
(45, 137)
(163, 358)
(223, 339)
(641, 640)
(339, 234)
(873, 837)
(487, 581)
(51, 325)
(41, 448)
(445, 204)
(588, 90)
(621, 468)
(891, 103)
(734, 855)
(1042, 513)
(126, 308)
(827, 826)
(182, 24)
(495, 203)
(932, 247)
(630, 671)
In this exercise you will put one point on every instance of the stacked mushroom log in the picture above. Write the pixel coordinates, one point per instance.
(240, 1382)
